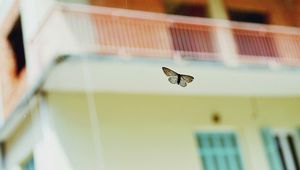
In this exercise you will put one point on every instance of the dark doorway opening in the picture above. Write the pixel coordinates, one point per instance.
(15, 39)
(248, 16)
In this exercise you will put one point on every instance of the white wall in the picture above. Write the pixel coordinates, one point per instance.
(22, 143)
(8, 12)
(156, 132)
(34, 13)
(46, 31)
(138, 131)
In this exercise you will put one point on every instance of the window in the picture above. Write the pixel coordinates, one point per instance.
(29, 164)
(248, 16)
(195, 10)
(281, 147)
(15, 39)
(219, 151)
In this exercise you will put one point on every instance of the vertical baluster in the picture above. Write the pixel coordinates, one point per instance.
(247, 45)
(184, 39)
(204, 39)
(198, 40)
(150, 31)
(98, 30)
(110, 32)
(177, 38)
(125, 35)
(170, 36)
(140, 33)
(158, 37)
(165, 37)
(189, 38)
(138, 36)
(270, 45)
(104, 33)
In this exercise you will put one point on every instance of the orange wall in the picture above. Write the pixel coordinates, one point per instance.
(280, 12)
(12, 86)
(149, 5)
(296, 13)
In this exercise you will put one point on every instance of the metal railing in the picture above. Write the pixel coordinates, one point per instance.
(77, 28)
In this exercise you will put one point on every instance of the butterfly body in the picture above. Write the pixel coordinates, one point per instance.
(176, 78)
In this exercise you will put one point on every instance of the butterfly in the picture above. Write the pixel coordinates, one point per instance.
(176, 78)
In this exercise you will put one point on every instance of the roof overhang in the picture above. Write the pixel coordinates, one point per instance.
(144, 75)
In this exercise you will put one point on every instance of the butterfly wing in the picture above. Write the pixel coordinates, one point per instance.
(169, 72)
(182, 83)
(187, 78)
(173, 79)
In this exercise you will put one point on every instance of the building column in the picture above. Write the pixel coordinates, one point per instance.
(217, 9)
(48, 154)
(224, 36)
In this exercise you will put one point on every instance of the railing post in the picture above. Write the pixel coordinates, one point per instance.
(225, 40)
(227, 45)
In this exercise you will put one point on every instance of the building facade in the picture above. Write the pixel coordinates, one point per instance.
(82, 85)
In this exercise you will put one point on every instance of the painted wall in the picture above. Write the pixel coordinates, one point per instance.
(280, 12)
(12, 86)
(150, 5)
(136, 131)
(156, 132)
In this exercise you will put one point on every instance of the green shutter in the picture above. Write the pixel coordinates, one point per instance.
(219, 151)
(29, 165)
(271, 149)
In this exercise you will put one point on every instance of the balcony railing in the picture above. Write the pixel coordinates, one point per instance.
(73, 29)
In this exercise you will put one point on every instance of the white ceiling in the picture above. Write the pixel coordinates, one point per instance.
(145, 76)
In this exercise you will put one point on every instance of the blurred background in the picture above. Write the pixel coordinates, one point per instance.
(81, 85)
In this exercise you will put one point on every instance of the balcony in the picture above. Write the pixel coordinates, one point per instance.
(198, 46)
(73, 29)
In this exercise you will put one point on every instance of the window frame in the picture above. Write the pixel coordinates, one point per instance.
(282, 133)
